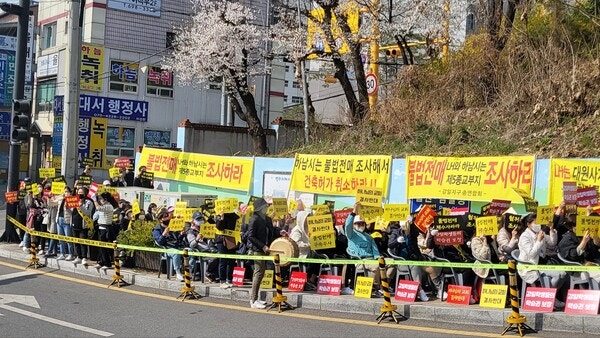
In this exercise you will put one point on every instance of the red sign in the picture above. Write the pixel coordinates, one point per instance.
(445, 238)
(238, 276)
(459, 294)
(587, 196)
(539, 299)
(122, 162)
(570, 192)
(329, 285)
(424, 217)
(497, 207)
(72, 201)
(11, 196)
(582, 302)
(458, 211)
(407, 290)
(341, 216)
(297, 281)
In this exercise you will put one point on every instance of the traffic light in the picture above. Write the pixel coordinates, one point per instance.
(393, 52)
(21, 120)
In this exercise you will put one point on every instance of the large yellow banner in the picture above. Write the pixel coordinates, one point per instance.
(340, 174)
(316, 38)
(585, 173)
(92, 67)
(469, 178)
(98, 134)
(215, 171)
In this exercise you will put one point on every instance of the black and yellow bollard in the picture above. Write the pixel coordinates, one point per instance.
(279, 298)
(117, 278)
(387, 310)
(515, 318)
(187, 290)
(33, 260)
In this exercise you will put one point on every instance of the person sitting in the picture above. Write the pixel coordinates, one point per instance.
(300, 235)
(532, 248)
(573, 249)
(170, 240)
(362, 245)
(507, 240)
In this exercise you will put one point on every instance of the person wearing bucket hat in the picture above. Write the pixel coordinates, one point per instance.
(260, 235)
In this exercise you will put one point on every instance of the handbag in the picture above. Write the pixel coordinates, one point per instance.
(229, 242)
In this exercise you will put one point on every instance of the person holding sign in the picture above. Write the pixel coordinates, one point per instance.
(300, 235)
(362, 245)
(141, 181)
(105, 205)
(85, 179)
(573, 249)
(532, 249)
(82, 223)
(506, 239)
(63, 222)
(260, 235)
(226, 245)
(165, 238)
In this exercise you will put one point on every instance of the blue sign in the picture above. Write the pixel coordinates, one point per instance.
(5, 126)
(57, 133)
(438, 203)
(111, 108)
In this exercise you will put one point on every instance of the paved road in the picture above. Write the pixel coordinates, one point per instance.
(58, 304)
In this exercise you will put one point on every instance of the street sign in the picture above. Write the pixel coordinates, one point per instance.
(372, 84)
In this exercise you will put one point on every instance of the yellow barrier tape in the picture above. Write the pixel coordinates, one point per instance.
(567, 268)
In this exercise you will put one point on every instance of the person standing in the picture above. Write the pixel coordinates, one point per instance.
(82, 222)
(260, 236)
(226, 245)
(105, 205)
(140, 181)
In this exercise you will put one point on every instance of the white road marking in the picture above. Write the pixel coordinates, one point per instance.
(16, 275)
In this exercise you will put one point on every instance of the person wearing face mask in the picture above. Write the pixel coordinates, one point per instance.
(151, 213)
(166, 238)
(105, 205)
(260, 235)
(196, 242)
(532, 248)
(363, 246)
(82, 222)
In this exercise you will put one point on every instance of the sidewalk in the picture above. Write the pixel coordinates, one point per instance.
(433, 310)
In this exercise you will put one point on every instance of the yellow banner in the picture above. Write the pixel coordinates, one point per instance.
(47, 172)
(340, 174)
(469, 178)
(493, 296)
(320, 223)
(486, 226)
(92, 68)
(585, 223)
(364, 285)
(583, 172)
(211, 170)
(98, 134)
(316, 39)
(292, 205)
(396, 212)
(114, 172)
(320, 209)
(371, 197)
(322, 240)
(267, 281)
(58, 188)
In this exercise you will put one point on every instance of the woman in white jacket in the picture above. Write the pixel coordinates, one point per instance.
(532, 248)
(299, 234)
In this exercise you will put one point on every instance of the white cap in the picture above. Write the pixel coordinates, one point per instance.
(357, 219)
(106, 182)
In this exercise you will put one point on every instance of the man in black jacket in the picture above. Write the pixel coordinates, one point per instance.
(260, 236)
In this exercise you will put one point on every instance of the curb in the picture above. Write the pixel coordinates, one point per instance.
(431, 311)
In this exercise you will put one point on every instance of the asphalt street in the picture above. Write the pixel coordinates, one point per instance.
(45, 303)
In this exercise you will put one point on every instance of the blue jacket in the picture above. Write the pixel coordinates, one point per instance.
(360, 244)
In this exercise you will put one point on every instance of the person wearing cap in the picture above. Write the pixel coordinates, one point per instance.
(260, 235)
(226, 245)
(196, 242)
(171, 240)
(363, 246)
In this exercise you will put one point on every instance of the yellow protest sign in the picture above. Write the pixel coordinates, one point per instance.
(47, 172)
(58, 188)
(369, 214)
(114, 172)
(469, 178)
(545, 214)
(322, 240)
(135, 207)
(363, 288)
(188, 213)
(581, 211)
(35, 188)
(369, 196)
(212, 170)
(292, 205)
(319, 223)
(181, 204)
(267, 281)
(176, 224)
(585, 223)
(208, 230)
(493, 296)
(280, 207)
(585, 173)
(225, 205)
(395, 212)
(381, 223)
(320, 209)
(486, 226)
(340, 175)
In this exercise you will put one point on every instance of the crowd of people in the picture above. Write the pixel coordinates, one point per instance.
(102, 217)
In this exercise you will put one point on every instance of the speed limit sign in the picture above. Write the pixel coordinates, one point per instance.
(372, 84)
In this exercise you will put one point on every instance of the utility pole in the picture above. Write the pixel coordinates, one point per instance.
(14, 156)
(446, 32)
(304, 86)
(69, 157)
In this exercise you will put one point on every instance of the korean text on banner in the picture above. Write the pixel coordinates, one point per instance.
(585, 173)
(340, 175)
(92, 67)
(47, 172)
(98, 136)
(469, 178)
(215, 171)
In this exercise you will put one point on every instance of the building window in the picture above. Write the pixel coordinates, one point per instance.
(124, 76)
(120, 142)
(46, 90)
(170, 40)
(49, 35)
(159, 82)
(295, 84)
(285, 98)
(287, 83)
(157, 138)
(297, 99)
(470, 23)
(287, 69)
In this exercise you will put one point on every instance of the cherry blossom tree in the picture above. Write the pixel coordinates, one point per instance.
(224, 41)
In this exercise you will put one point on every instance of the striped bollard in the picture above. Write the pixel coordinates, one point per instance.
(279, 298)
(387, 310)
(117, 278)
(187, 290)
(515, 317)
(33, 260)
